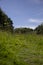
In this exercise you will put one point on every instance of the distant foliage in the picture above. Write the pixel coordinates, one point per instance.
(23, 30)
(39, 29)
(5, 22)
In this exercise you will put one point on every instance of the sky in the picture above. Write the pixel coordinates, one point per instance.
(23, 13)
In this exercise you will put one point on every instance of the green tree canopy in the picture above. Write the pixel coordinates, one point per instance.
(39, 29)
(5, 22)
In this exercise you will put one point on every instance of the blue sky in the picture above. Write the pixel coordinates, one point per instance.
(24, 13)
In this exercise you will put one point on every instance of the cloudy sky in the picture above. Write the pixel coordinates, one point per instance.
(24, 13)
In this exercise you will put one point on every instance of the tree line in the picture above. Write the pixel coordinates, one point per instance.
(23, 30)
(6, 24)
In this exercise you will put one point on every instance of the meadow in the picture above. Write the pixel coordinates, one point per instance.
(21, 49)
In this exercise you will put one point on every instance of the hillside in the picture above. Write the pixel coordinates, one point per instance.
(21, 49)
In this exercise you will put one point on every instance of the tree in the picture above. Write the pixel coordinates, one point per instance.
(5, 22)
(39, 29)
(23, 30)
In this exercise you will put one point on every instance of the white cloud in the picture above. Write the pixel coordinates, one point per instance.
(25, 26)
(32, 23)
(35, 20)
(33, 27)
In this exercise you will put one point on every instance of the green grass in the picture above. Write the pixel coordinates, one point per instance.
(21, 49)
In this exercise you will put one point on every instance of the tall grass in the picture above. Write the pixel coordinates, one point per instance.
(21, 49)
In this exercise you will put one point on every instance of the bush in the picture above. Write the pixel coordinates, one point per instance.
(39, 29)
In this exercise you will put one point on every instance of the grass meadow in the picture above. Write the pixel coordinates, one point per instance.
(21, 49)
